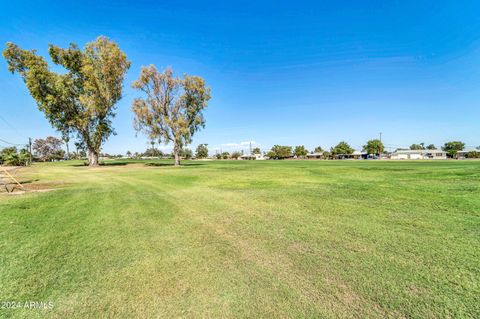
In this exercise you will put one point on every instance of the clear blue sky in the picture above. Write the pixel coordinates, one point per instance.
(281, 72)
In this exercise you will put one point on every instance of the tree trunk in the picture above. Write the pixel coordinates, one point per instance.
(68, 152)
(92, 158)
(177, 158)
(176, 152)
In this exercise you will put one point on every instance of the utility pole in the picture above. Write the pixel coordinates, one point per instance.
(250, 148)
(30, 148)
(379, 153)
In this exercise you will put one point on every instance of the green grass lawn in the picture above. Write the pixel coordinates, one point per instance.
(245, 239)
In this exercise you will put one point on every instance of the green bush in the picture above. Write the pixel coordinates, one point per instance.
(473, 154)
(235, 155)
(11, 157)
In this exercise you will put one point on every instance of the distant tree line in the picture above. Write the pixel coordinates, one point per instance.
(153, 152)
(226, 155)
(372, 147)
(50, 149)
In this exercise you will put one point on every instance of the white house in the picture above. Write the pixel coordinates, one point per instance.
(418, 154)
(258, 157)
(315, 155)
(355, 155)
(463, 154)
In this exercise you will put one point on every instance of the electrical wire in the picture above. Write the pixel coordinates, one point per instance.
(11, 126)
(10, 143)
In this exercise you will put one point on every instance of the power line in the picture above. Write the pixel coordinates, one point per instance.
(10, 143)
(10, 125)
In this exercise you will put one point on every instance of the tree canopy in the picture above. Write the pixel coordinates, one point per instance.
(342, 148)
(48, 149)
(171, 109)
(415, 147)
(201, 151)
(152, 152)
(280, 152)
(318, 149)
(186, 153)
(374, 147)
(225, 155)
(235, 155)
(256, 150)
(453, 147)
(82, 99)
(14, 157)
(300, 151)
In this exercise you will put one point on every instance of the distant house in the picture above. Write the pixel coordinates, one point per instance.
(354, 155)
(418, 154)
(253, 157)
(315, 155)
(463, 154)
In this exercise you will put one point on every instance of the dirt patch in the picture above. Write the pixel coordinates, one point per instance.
(31, 188)
(22, 192)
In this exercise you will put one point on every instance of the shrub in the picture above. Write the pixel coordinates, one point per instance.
(10, 156)
(235, 155)
(473, 154)
(280, 152)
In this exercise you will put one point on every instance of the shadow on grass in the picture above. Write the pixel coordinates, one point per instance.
(28, 181)
(78, 164)
(124, 163)
(172, 164)
(114, 163)
(102, 164)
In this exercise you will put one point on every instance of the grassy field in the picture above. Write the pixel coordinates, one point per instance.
(245, 239)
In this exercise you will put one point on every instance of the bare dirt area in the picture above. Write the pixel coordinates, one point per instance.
(31, 188)
(14, 182)
(28, 188)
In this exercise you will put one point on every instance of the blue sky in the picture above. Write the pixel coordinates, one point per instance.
(281, 72)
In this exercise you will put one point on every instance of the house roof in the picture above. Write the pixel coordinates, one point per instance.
(359, 153)
(251, 155)
(417, 151)
(469, 150)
